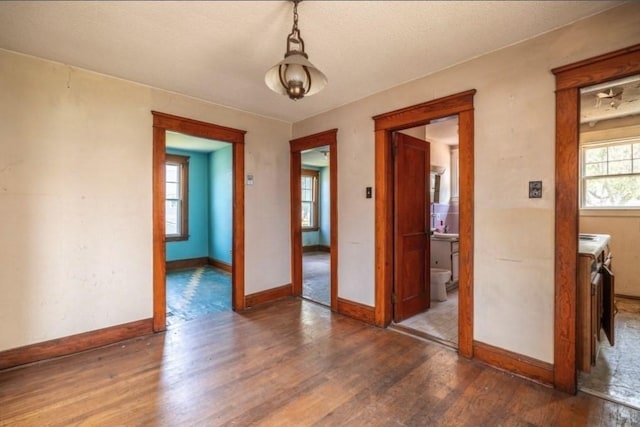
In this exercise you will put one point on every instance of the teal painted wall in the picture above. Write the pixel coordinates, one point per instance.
(324, 201)
(197, 244)
(323, 235)
(221, 204)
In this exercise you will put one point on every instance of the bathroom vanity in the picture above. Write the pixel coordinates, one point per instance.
(444, 253)
(595, 298)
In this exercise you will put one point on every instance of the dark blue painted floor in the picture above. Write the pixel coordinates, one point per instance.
(195, 292)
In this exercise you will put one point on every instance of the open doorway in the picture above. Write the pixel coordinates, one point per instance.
(164, 124)
(314, 218)
(315, 194)
(609, 211)
(569, 80)
(385, 125)
(440, 321)
(198, 223)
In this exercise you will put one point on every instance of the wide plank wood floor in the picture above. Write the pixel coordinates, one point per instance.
(287, 363)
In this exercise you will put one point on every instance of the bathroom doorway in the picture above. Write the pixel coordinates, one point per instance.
(460, 104)
(314, 218)
(439, 322)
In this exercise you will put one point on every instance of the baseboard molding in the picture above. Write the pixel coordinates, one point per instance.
(627, 296)
(514, 363)
(355, 310)
(269, 295)
(187, 263)
(220, 264)
(74, 343)
(316, 248)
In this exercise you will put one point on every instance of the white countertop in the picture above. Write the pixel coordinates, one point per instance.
(592, 244)
(450, 237)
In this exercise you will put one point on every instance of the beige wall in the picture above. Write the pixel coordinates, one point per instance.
(75, 198)
(514, 137)
(75, 188)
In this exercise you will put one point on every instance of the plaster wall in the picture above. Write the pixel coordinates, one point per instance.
(76, 200)
(514, 143)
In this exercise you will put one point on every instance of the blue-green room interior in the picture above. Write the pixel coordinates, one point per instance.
(210, 207)
(321, 236)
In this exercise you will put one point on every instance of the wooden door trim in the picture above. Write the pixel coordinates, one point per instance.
(161, 124)
(298, 145)
(417, 115)
(569, 79)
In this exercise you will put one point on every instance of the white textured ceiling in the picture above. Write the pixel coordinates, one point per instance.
(220, 50)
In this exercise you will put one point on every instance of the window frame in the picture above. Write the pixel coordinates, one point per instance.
(582, 167)
(183, 175)
(315, 175)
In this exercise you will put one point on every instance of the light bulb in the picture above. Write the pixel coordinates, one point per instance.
(295, 73)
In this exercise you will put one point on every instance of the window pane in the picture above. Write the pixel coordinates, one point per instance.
(620, 191)
(307, 182)
(172, 173)
(592, 169)
(619, 167)
(592, 155)
(173, 190)
(306, 214)
(620, 152)
(636, 151)
(636, 166)
(172, 216)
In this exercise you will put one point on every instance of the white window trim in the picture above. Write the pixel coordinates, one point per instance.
(604, 210)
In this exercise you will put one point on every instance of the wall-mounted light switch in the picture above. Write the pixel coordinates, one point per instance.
(535, 189)
(249, 179)
(368, 192)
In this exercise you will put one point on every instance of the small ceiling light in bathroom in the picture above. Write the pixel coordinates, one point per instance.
(295, 76)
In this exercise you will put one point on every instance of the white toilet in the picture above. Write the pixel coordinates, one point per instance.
(439, 279)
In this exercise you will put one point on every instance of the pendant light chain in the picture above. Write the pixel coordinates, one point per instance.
(295, 17)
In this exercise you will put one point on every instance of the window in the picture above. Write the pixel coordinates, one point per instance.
(610, 174)
(309, 186)
(455, 175)
(176, 197)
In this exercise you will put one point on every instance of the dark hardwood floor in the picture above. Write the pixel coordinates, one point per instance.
(287, 363)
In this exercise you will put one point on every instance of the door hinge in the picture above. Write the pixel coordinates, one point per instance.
(393, 297)
(394, 148)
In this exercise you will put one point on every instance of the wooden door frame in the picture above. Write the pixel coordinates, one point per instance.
(405, 118)
(298, 145)
(161, 124)
(569, 79)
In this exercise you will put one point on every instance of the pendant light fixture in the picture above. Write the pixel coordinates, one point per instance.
(295, 76)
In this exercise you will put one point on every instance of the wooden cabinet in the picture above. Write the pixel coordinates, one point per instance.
(595, 299)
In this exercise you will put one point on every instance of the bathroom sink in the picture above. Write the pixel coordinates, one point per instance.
(450, 236)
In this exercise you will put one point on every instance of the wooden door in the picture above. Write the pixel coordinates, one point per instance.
(608, 302)
(411, 226)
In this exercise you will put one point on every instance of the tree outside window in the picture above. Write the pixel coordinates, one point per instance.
(309, 188)
(611, 174)
(176, 197)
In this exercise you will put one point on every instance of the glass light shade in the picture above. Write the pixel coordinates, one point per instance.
(295, 73)
(294, 65)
